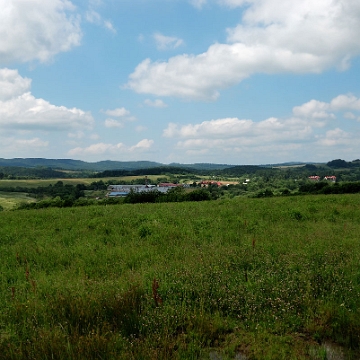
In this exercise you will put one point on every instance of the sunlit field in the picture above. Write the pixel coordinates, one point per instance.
(12, 200)
(46, 182)
(272, 278)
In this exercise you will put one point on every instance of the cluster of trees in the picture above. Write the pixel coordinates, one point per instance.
(173, 195)
(26, 173)
(339, 163)
(161, 170)
(323, 187)
(64, 192)
(177, 194)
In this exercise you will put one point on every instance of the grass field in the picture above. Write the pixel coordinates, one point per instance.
(273, 278)
(9, 200)
(46, 182)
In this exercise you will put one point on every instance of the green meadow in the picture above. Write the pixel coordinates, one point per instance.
(34, 183)
(10, 201)
(242, 278)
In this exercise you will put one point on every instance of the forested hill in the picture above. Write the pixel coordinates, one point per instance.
(48, 168)
(185, 169)
(31, 173)
(76, 165)
(202, 166)
(160, 170)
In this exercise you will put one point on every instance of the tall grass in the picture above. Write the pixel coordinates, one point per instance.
(254, 278)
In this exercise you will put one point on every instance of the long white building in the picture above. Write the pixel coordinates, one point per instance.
(123, 190)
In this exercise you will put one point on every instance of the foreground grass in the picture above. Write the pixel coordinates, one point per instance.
(275, 278)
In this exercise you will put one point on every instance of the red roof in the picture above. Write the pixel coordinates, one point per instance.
(209, 182)
(167, 184)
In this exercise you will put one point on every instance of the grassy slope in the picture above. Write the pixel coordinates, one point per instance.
(266, 278)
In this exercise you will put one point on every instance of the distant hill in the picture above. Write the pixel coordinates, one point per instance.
(202, 166)
(34, 173)
(286, 164)
(241, 170)
(65, 164)
(77, 165)
(160, 170)
(109, 165)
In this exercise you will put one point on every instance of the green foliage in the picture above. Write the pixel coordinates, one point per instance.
(198, 195)
(338, 163)
(173, 195)
(265, 193)
(65, 192)
(160, 170)
(323, 187)
(29, 173)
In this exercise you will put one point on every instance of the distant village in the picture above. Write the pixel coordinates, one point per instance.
(327, 178)
(124, 190)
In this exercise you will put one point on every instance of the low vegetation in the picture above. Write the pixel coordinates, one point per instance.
(9, 201)
(242, 278)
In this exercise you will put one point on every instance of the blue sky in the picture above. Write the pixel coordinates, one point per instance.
(220, 81)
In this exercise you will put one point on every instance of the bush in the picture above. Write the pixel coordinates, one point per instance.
(198, 195)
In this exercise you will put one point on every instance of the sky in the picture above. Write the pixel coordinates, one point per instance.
(187, 81)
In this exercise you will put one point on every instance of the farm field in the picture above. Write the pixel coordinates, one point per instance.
(29, 183)
(242, 278)
(9, 201)
(46, 182)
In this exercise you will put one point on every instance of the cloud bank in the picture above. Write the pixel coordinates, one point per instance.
(312, 128)
(20, 110)
(274, 37)
(111, 150)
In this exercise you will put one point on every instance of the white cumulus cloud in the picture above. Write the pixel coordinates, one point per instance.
(274, 36)
(31, 143)
(349, 101)
(109, 25)
(122, 114)
(37, 29)
(94, 17)
(336, 137)
(20, 110)
(314, 109)
(323, 110)
(158, 103)
(12, 85)
(311, 128)
(142, 145)
(167, 42)
(119, 112)
(15, 147)
(198, 3)
(111, 123)
(104, 149)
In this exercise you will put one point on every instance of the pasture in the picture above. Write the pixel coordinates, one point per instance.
(29, 183)
(9, 200)
(271, 278)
